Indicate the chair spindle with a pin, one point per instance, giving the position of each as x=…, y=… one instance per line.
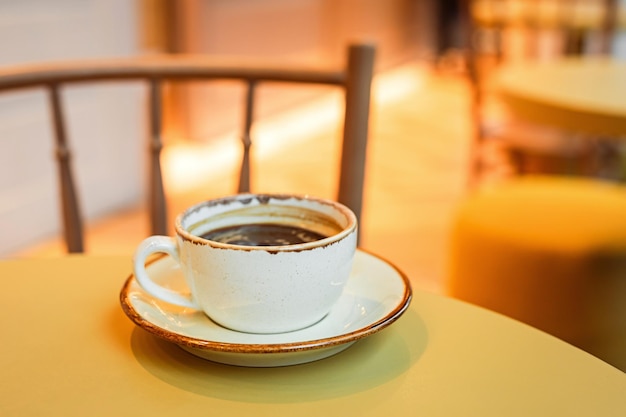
x=353, y=154
x=157, y=205
x=246, y=139
x=72, y=218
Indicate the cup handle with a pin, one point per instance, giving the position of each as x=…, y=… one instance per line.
x=152, y=245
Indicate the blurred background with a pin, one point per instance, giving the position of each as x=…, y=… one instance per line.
x=421, y=125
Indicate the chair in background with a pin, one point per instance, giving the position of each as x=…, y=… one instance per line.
x=355, y=79
x=501, y=31
x=548, y=250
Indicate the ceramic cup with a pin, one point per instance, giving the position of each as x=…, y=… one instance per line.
x=254, y=288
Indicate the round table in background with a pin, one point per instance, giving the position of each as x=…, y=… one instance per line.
x=578, y=94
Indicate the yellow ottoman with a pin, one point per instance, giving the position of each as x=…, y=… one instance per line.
x=550, y=252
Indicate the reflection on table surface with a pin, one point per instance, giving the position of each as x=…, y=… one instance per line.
x=68, y=349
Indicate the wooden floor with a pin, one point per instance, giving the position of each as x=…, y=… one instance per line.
x=417, y=160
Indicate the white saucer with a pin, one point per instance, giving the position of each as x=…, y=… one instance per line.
x=376, y=295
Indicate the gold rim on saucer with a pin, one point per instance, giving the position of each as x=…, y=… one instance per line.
x=376, y=295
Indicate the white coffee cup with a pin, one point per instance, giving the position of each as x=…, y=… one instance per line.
x=257, y=289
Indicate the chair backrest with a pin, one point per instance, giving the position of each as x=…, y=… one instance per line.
x=354, y=78
x=573, y=20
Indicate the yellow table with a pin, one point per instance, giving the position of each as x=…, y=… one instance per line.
x=579, y=94
x=67, y=349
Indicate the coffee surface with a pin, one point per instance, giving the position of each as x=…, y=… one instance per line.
x=262, y=234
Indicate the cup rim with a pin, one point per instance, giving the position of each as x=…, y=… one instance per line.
x=343, y=209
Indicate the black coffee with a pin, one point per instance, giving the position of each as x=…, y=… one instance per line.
x=262, y=234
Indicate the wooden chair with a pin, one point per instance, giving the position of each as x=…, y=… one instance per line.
x=355, y=79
